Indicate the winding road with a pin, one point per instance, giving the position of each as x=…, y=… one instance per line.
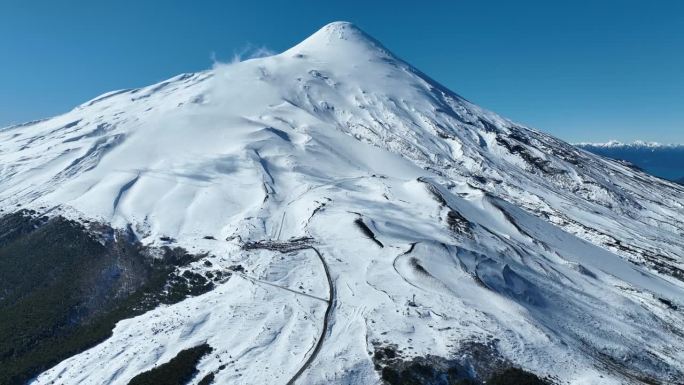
x=326, y=319
x=286, y=247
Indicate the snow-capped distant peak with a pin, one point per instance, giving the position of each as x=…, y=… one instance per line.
x=635, y=144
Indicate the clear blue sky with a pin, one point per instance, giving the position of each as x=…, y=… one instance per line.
x=582, y=70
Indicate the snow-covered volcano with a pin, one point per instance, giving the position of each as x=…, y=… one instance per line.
x=370, y=207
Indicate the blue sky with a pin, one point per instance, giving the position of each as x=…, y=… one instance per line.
x=581, y=70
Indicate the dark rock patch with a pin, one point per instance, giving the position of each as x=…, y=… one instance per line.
x=518, y=148
x=367, y=231
x=457, y=223
x=667, y=303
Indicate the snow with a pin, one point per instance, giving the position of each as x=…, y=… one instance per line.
x=635, y=144
x=336, y=129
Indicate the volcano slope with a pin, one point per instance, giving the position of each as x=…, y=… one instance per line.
x=374, y=227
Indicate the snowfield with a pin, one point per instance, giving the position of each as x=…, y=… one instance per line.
x=370, y=207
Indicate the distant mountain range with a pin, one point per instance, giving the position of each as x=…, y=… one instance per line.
x=662, y=160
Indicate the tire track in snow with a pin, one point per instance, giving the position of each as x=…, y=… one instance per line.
x=256, y=280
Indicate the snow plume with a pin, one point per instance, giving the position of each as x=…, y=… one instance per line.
x=226, y=73
x=249, y=51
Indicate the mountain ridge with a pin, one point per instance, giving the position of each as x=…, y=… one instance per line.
x=636, y=143
x=662, y=160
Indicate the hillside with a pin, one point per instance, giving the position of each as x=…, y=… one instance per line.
x=370, y=226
